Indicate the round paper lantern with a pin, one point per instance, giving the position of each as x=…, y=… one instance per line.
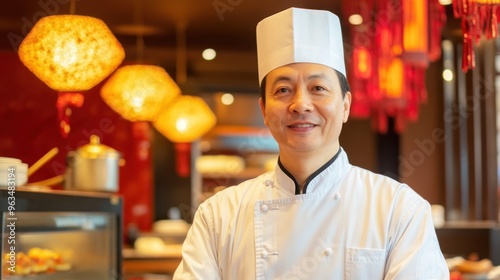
x=139, y=92
x=71, y=52
x=185, y=119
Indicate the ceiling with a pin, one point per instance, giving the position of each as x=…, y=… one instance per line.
x=228, y=26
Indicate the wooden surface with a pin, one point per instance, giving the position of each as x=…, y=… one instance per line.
x=141, y=263
x=165, y=265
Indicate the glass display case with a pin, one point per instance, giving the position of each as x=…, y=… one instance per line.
x=49, y=234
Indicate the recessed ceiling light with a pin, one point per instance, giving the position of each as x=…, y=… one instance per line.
x=227, y=99
x=209, y=54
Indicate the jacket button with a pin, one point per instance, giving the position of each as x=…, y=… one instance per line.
x=264, y=208
x=328, y=251
x=337, y=196
x=264, y=254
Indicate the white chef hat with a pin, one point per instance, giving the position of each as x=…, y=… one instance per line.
x=299, y=35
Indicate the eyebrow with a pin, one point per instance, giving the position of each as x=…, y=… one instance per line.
x=281, y=78
x=288, y=79
x=317, y=76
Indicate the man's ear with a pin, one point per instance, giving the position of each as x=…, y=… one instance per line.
x=263, y=110
x=347, y=106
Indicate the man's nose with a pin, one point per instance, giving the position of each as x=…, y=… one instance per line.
x=301, y=102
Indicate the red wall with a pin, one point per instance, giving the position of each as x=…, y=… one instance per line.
x=29, y=128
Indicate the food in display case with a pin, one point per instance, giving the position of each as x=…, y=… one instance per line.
x=35, y=261
x=475, y=267
x=472, y=268
x=46, y=260
x=61, y=235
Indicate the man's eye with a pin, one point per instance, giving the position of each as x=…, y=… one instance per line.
x=282, y=90
x=318, y=88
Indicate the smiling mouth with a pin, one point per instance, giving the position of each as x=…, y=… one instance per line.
x=302, y=125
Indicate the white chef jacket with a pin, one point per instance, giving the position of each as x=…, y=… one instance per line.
x=349, y=224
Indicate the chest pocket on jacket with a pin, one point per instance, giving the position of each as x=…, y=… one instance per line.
x=364, y=263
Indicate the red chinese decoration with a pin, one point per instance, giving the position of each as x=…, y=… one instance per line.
x=66, y=101
x=479, y=17
x=391, y=50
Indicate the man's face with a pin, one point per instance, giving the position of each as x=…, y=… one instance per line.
x=304, y=108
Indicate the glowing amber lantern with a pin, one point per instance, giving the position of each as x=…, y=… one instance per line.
x=184, y=120
x=415, y=30
x=395, y=74
x=415, y=22
x=362, y=63
x=139, y=92
x=70, y=54
x=401, y=37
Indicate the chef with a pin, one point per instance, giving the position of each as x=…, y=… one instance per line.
x=315, y=216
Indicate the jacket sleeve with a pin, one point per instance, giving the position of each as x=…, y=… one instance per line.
x=199, y=256
x=414, y=252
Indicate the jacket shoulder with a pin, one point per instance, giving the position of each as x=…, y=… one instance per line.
x=382, y=184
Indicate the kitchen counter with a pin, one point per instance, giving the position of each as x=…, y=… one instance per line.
x=456, y=238
x=462, y=238
x=161, y=263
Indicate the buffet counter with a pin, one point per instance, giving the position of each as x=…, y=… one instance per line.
x=456, y=238
x=135, y=263
x=463, y=238
x=156, y=252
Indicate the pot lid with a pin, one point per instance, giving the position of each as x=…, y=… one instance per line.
x=97, y=150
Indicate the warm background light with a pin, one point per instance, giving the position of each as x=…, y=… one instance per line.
x=445, y=2
x=355, y=19
x=447, y=75
x=209, y=54
x=415, y=25
x=185, y=119
x=362, y=63
x=394, y=78
x=139, y=92
x=70, y=52
x=227, y=99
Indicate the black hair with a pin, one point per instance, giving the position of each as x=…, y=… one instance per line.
x=344, y=86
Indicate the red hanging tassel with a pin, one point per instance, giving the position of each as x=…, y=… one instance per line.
x=478, y=19
x=491, y=24
x=65, y=101
x=183, y=159
x=468, y=59
x=494, y=23
x=437, y=20
x=457, y=8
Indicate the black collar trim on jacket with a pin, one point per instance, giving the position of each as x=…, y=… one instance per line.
x=309, y=179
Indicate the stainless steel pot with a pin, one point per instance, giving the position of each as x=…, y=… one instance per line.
x=93, y=167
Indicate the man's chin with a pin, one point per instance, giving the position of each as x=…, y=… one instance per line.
x=302, y=147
